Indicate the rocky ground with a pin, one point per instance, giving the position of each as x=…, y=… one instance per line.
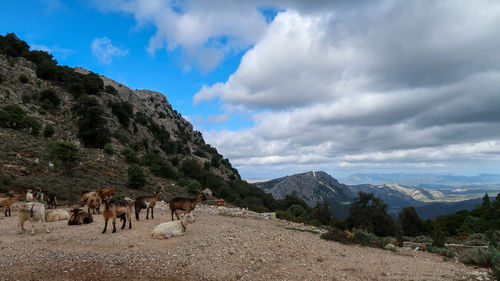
x=222, y=244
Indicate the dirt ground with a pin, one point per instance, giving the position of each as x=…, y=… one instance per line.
x=218, y=246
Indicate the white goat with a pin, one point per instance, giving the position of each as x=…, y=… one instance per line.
x=32, y=211
x=29, y=195
x=172, y=228
x=56, y=215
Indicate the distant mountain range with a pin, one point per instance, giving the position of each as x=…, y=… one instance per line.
x=314, y=187
x=427, y=180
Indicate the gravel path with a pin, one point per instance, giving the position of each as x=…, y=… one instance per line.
x=223, y=244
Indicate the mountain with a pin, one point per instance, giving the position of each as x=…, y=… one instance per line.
x=113, y=128
x=432, y=210
x=313, y=187
x=427, y=180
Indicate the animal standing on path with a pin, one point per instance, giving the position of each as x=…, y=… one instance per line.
x=184, y=205
x=146, y=203
x=114, y=209
x=7, y=202
x=32, y=211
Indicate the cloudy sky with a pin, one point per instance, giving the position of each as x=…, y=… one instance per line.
x=281, y=87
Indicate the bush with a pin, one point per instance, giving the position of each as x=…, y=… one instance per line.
x=2, y=78
x=136, y=178
x=108, y=149
x=443, y=251
x=130, y=155
x=297, y=210
x=335, y=234
x=111, y=90
x=360, y=237
x=49, y=99
x=64, y=154
x=26, y=98
x=23, y=79
x=12, y=116
x=369, y=239
x=283, y=215
x=163, y=169
x=123, y=111
x=480, y=256
x=48, y=131
x=193, y=186
x=91, y=123
x=438, y=237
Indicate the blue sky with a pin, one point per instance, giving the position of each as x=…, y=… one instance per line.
x=68, y=28
x=282, y=87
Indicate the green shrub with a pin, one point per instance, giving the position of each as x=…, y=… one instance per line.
x=32, y=124
x=476, y=239
x=163, y=169
x=64, y=154
x=192, y=185
x=123, y=111
x=335, y=234
x=111, y=90
x=49, y=99
x=443, y=251
x=108, y=149
x=136, y=178
x=369, y=239
x=12, y=46
x=297, y=210
x=48, y=131
x=23, y=79
x=438, y=237
x=26, y=98
x=2, y=78
x=130, y=155
x=480, y=256
x=41, y=111
x=12, y=116
x=283, y=215
x=91, y=123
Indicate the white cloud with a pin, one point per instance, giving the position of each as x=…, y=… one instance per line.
x=104, y=50
x=205, y=31
x=411, y=84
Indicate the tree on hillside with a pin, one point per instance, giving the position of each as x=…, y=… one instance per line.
x=322, y=213
x=369, y=213
x=64, y=154
x=486, y=200
x=410, y=222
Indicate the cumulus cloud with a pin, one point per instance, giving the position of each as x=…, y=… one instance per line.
x=104, y=50
x=205, y=31
x=380, y=83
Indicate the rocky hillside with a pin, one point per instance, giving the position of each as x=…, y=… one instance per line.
x=112, y=128
x=313, y=188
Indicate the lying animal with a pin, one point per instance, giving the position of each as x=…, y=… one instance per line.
x=172, y=228
x=80, y=217
x=56, y=215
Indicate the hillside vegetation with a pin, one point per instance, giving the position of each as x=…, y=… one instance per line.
x=99, y=133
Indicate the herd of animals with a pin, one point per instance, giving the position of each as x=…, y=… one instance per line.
x=41, y=206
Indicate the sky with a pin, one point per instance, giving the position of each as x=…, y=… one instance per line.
x=284, y=87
